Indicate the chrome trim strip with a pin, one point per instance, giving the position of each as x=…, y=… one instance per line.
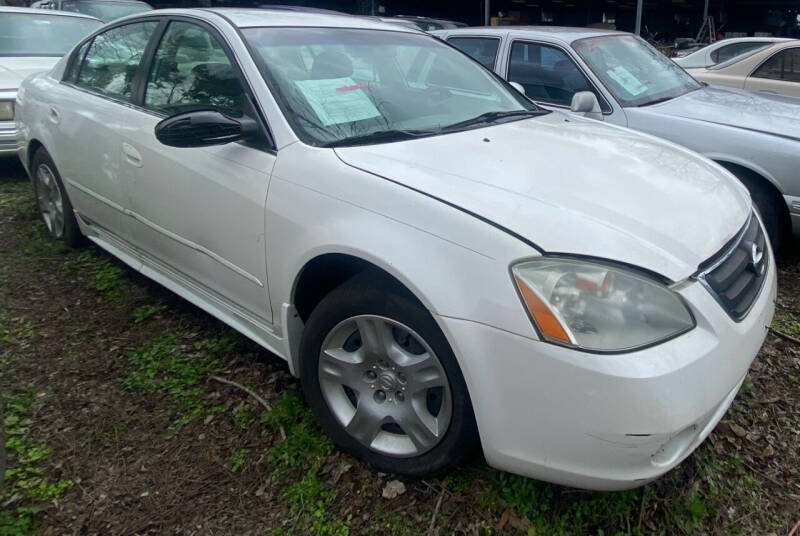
x=169, y=234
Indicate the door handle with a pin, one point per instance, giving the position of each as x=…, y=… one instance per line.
x=131, y=155
x=55, y=117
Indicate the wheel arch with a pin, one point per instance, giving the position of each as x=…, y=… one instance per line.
x=747, y=170
x=318, y=277
x=753, y=178
x=33, y=145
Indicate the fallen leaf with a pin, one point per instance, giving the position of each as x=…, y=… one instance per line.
x=738, y=430
x=392, y=489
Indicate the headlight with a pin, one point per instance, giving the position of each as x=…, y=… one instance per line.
x=598, y=307
x=6, y=110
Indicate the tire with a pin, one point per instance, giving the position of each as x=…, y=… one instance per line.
x=375, y=300
x=52, y=202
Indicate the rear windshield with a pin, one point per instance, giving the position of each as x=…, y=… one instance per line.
x=105, y=11
x=25, y=34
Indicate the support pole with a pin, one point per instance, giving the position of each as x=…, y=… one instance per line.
x=486, y=12
x=638, y=30
x=705, y=11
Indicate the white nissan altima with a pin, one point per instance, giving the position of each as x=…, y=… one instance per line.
x=443, y=264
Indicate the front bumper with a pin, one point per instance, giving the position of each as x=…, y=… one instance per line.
x=607, y=422
x=8, y=138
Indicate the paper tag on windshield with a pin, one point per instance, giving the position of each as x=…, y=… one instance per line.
x=623, y=77
x=338, y=100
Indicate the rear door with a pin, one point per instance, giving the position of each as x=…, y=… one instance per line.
x=199, y=212
x=86, y=113
x=780, y=74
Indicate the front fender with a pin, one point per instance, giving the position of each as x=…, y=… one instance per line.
x=454, y=263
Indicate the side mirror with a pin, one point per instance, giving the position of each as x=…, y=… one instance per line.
x=585, y=102
x=518, y=87
x=203, y=128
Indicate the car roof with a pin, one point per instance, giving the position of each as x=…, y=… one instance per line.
x=258, y=17
x=52, y=12
x=567, y=34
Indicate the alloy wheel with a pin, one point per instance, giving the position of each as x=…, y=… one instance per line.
x=51, y=204
x=385, y=386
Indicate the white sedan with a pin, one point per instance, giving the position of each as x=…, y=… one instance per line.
x=32, y=40
x=445, y=265
x=724, y=50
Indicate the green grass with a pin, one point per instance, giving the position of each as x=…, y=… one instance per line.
x=169, y=366
x=305, y=445
x=297, y=460
x=31, y=230
x=786, y=322
x=146, y=312
x=24, y=474
x=238, y=458
x=103, y=275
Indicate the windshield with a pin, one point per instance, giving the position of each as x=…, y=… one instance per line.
x=41, y=35
x=635, y=72
x=103, y=10
x=352, y=86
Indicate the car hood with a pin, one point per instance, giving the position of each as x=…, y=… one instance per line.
x=13, y=70
x=763, y=112
x=575, y=186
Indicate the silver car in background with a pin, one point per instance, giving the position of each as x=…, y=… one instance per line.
x=620, y=78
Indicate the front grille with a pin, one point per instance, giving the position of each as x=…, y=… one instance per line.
x=734, y=276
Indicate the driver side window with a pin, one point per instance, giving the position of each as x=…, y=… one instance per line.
x=191, y=71
x=547, y=73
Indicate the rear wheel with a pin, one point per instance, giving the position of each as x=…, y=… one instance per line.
x=384, y=383
x=52, y=202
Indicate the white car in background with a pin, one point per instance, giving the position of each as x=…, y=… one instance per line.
x=105, y=10
x=772, y=69
x=724, y=50
x=619, y=78
x=443, y=263
x=32, y=40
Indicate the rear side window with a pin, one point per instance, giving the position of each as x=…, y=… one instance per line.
x=192, y=72
x=731, y=51
x=112, y=60
x=785, y=65
x=482, y=49
x=75, y=66
x=547, y=74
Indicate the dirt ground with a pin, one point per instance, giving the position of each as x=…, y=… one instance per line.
x=120, y=421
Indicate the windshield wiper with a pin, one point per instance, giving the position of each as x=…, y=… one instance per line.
x=655, y=101
x=489, y=118
x=380, y=136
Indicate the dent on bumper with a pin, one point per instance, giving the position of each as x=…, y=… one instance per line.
x=606, y=422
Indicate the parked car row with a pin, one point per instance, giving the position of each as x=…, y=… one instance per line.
x=449, y=258
x=621, y=79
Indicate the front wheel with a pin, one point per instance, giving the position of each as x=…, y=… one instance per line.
x=383, y=381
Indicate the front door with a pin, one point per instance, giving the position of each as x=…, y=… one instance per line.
x=199, y=212
x=551, y=77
